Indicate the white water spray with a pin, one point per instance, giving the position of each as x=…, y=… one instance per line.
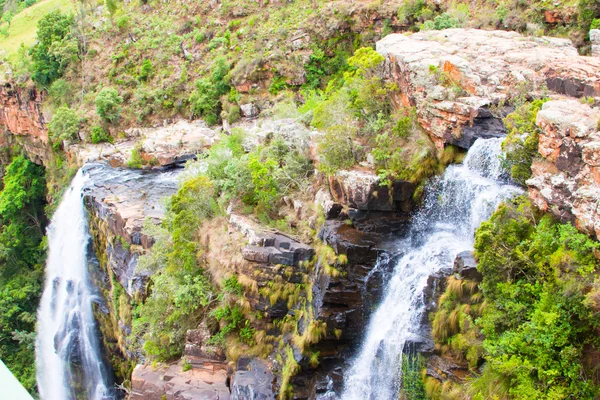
x=455, y=205
x=68, y=359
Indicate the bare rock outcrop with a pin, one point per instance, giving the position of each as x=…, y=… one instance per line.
x=362, y=189
x=173, y=383
x=566, y=181
x=456, y=77
x=21, y=118
x=159, y=146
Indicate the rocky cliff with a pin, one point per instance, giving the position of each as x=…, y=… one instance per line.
x=566, y=180
x=22, y=120
x=460, y=80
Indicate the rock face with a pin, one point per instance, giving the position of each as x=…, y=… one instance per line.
x=167, y=145
x=119, y=201
x=21, y=116
x=566, y=181
x=454, y=76
x=595, y=39
x=270, y=247
x=253, y=380
x=173, y=383
x=362, y=190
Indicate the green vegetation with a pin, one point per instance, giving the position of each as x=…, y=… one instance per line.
x=99, y=135
x=56, y=48
x=205, y=99
x=108, y=105
x=22, y=225
x=22, y=29
x=534, y=322
x=64, y=124
x=180, y=290
x=521, y=144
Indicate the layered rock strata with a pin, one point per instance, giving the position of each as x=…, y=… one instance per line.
x=566, y=180
x=458, y=79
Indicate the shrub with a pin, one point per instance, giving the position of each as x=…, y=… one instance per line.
x=521, y=144
x=99, y=135
x=205, y=99
x=146, y=70
x=443, y=21
x=537, y=323
x=335, y=150
x=108, y=105
x=64, y=124
x=61, y=92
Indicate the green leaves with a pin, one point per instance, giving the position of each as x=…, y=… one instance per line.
x=537, y=323
x=56, y=48
x=108, y=105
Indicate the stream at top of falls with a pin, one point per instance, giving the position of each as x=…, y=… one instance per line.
x=454, y=206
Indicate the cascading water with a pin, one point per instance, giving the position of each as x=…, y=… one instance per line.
x=69, y=362
x=455, y=205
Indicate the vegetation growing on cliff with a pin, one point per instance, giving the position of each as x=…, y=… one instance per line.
x=521, y=144
x=535, y=327
x=22, y=225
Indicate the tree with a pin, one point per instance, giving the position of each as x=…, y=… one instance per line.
x=108, y=105
x=21, y=254
x=56, y=48
x=64, y=124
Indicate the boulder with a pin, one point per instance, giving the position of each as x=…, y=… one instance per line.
x=324, y=200
x=361, y=189
x=270, y=247
x=453, y=77
x=466, y=266
x=566, y=180
x=249, y=110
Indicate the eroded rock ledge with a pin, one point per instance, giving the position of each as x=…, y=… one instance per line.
x=566, y=181
x=457, y=78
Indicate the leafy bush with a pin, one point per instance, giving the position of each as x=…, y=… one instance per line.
x=205, y=99
x=55, y=49
x=64, y=124
x=537, y=322
x=108, y=105
x=335, y=150
x=146, y=70
x=99, y=135
x=443, y=21
x=521, y=144
x=180, y=290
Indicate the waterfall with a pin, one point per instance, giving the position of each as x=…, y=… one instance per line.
x=454, y=206
x=68, y=359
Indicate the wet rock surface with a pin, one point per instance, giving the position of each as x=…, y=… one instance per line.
x=453, y=77
x=253, y=380
x=566, y=181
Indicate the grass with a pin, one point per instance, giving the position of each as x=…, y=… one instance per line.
x=24, y=24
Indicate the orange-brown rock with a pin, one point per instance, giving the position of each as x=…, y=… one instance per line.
x=22, y=119
x=454, y=77
x=566, y=181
